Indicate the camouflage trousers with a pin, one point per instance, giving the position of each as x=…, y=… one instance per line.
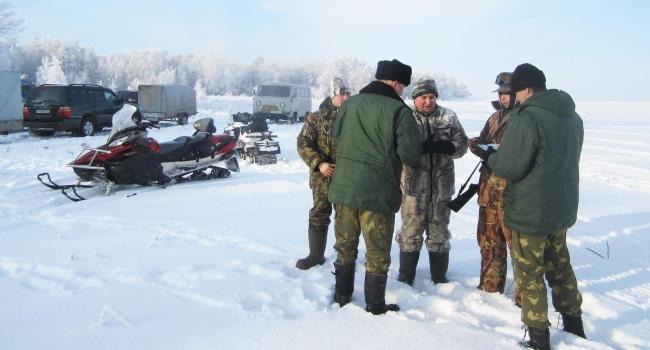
x=493, y=236
x=377, y=231
x=319, y=214
x=420, y=216
x=536, y=257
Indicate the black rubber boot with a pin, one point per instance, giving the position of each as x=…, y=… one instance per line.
x=408, y=261
x=540, y=339
x=573, y=324
x=344, y=275
x=317, y=243
x=375, y=291
x=439, y=263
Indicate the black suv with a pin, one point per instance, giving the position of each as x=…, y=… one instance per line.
x=80, y=108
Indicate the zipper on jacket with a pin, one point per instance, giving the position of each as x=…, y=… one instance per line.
x=430, y=195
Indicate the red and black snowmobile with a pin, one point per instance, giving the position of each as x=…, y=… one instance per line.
x=129, y=157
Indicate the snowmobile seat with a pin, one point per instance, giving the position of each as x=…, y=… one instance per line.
x=258, y=125
x=172, y=150
x=181, y=147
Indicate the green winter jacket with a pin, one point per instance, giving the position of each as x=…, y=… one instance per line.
x=374, y=133
x=539, y=157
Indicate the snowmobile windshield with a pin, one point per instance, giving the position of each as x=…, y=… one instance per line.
x=123, y=120
x=274, y=91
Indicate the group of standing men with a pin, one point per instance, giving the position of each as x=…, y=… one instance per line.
x=373, y=154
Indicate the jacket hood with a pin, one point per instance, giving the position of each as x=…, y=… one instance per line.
x=555, y=101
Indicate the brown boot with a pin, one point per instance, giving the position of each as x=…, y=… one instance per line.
x=317, y=243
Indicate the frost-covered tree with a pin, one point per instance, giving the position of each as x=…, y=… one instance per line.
x=217, y=74
x=51, y=72
x=9, y=27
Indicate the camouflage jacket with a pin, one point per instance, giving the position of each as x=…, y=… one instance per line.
x=315, y=143
x=491, y=187
x=418, y=179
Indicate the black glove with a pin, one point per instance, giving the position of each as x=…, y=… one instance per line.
x=430, y=146
x=485, y=154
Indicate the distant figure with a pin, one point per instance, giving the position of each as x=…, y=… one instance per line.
x=428, y=185
x=539, y=158
x=492, y=233
x=374, y=134
x=317, y=151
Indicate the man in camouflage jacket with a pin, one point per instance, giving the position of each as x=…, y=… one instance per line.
x=316, y=149
x=428, y=185
x=492, y=233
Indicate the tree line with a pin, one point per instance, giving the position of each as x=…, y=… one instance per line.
x=67, y=62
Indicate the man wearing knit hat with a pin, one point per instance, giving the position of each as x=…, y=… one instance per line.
x=428, y=185
x=316, y=150
x=493, y=236
x=374, y=134
x=539, y=158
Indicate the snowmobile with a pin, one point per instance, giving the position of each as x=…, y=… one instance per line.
x=129, y=157
x=254, y=141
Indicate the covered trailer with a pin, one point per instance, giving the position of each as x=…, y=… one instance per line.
x=11, y=102
x=167, y=102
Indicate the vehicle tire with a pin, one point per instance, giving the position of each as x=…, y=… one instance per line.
x=87, y=127
x=293, y=118
x=42, y=132
x=182, y=119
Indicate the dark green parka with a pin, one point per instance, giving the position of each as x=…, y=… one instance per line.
x=539, y=157
x=374, y=133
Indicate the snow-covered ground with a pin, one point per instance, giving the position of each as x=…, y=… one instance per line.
x=210, y=265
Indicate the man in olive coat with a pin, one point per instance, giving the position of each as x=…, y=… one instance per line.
x=539, y=157
x=374, y=134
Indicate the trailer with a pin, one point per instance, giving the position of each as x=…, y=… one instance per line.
x=167, y=102
x=11, y=102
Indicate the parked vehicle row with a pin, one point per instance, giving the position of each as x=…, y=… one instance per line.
x=84, y=108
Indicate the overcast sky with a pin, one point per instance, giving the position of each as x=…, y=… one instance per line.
x=595, y=50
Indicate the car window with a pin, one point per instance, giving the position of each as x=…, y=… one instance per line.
x=48, y=94
x=111, y=99
x=272, y=90
x=97, y=97
x=78, y=97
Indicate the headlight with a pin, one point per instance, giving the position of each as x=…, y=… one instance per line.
x=282, y=104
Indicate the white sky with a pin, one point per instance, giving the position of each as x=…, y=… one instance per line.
x=595, y=50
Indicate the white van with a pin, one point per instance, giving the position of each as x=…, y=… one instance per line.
x=276, y=101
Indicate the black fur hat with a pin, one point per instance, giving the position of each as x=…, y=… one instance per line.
x=394, y=70
x=526, y=75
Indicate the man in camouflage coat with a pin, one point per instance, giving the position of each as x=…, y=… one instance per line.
x=492, y=233
x=428, y=185
x=317, y=151
x=539, y=157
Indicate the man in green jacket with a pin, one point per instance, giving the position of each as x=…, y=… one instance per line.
x=374, y=134
x=539, y=157
x=316, y=150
